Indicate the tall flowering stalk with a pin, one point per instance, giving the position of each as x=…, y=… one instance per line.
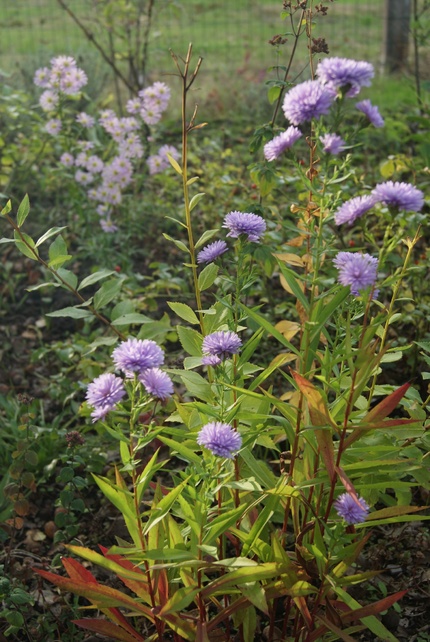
x=187, y=79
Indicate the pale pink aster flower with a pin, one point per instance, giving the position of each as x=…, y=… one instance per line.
x=67, y=159
x=107, y=226
x=85, y=119
x=42, y=77
x=53, y=126
x=48, y=100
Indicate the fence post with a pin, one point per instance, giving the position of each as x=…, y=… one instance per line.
x=396, y=37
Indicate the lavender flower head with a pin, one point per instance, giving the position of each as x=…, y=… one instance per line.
x=371, y=112
x=402, y=196
x=221, y=344
x=211, y=360
x=357, y=270
x=274, y=148
x=244, y=223
x=306, y=101
x=332, y=143
x=352, y=510
x=103, y=394
x=157, y=383
x=135, y=355
x=220, y=439
x=353, y=209
x=212, y=252
x=342, y=73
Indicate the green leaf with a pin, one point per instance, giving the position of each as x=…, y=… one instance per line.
x=273, y=93
x=195, y=200
x=134, y=318
x=23, y=211
x=207, y=276
x=7, y=209
x=205, y=237
x=185, y=453
x=69, y=277
x=179, y=244
x=174, y=164
x=222, y=523
x=73, y=313
x=25, y=244
x=191, y=341
x=93, y=278
x=196, y=385
x=262, y=322
x=57, y=249
x=108, y=291
x=51, y=232
x=184, y=312
x=179, y=600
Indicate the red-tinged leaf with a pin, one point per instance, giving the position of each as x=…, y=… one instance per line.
x=101, y=596
x=140, y=587
x=318, y=410
x=326, y=448
x=395, y=511
x=386, y=406
x=372, y=609
x=335, y=629
x=227, y=612
x=108, y=629
x=301, y=604
x=163, y=587
x=349, y=486
x=384, y=424
x=76, y=571
x=108, y=563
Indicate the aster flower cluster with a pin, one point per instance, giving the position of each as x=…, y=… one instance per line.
x=251, y=226
x=313, y=99
x=394, y=194
x=134, y=357
x=104, y=180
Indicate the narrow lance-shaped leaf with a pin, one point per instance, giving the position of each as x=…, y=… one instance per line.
x=23, y=211
x=108, y=629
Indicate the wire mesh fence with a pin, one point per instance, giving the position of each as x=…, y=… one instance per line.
x=232, y=37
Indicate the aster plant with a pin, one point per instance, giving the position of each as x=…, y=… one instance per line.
x=281, y=442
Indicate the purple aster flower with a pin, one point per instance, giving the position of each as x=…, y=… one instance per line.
x=352, y=509
x=104, y=393
x=342, y=73
x=332, y=143
x=157, y=383
x=371, y=112
x=211, y=360
x=212, y=252
x=281, y=143
x=353, y=209
x=243, y=223
x=306, y=101
x=135, y=355
x=42, y=77
x=221, y=344
x=402, y=196
x=220, y=439
x=357, y=270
